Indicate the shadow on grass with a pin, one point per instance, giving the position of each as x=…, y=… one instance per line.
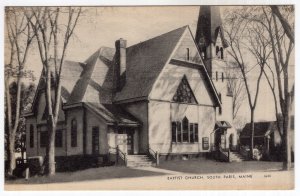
x=101, y=173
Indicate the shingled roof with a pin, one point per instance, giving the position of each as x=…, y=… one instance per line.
x=145, y=61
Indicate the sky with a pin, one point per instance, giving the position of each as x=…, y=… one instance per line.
x=102, y=26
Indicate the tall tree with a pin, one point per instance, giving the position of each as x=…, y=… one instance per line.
x=20, y=36
x=240, y=34
x=278, y=22
x=53, y=28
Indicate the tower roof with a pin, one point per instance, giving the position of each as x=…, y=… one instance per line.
x=209, y=25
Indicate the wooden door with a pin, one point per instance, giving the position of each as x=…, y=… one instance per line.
x=130, y=143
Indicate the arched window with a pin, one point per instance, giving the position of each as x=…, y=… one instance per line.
x=217, y=51
x=222, y=55
x=73, y=133
x=31, y=136
x=185, y=130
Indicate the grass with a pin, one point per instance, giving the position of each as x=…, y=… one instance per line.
x=87, y=175
x=211, y=166
x=198, y=166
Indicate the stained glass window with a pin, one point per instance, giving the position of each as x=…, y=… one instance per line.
x=184, y=93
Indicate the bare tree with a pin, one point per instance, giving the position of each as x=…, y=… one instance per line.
x=281, y=37
x=53, y=28
x=288, y=28
x=239, y=35
x=20, y=36
x=282, y=49
x=236, y=84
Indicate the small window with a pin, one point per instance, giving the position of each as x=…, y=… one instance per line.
x=187, y=54
x=222, y=77
x=220, y=110
x=196, y=133
x=217, y=50
x=216, y=76
x=173, y=131
x=73, y=133
x=31, y=136
x=43, y=139
x=179, y=132
x=58, y=138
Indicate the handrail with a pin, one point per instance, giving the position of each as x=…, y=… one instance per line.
x=155, y=155
x=120, y=153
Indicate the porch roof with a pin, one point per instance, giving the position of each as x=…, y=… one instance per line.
x=223, y=124
x=113, y=114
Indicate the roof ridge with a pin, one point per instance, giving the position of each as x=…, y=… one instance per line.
x=185, y=26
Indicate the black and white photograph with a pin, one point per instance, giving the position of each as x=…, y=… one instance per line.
x=160, y=97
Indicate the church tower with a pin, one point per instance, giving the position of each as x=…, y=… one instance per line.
x=212, y=45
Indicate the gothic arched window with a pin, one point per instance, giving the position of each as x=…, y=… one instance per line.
x=185, y=129
x=222, y=55
x=217, y=51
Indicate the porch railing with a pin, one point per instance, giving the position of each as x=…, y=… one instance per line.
x=154, y=155
x=119, y=154
x=224, y=154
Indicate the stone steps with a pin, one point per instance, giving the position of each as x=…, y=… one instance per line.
x=236, y=157
x=138, y=161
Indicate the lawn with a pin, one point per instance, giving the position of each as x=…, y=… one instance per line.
x=199, y=166
x=87, y=175
x=210, y=166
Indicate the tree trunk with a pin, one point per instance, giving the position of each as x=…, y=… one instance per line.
x=287, y=163
x=50, y=155
x=252, y=134
x=11, y=151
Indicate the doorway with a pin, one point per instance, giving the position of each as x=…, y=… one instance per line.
x=220, y=139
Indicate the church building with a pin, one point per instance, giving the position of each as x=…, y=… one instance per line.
x=161, y=98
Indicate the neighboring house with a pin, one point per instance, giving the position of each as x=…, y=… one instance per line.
x=157, y=94
x=266, y=138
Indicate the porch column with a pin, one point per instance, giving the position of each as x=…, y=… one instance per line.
x=136, y=141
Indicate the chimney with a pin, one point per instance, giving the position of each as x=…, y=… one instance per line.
x=120, y=64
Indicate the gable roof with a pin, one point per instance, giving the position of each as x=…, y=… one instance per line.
x=144, y=63
x=260, y=128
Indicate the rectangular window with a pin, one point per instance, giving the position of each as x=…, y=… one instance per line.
x=179, y=135
x=43, y=139
x=58, y=138
x=173, y=131
x=196, y=133
x=192, y=133
x=31, y=136
x=216, y=76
